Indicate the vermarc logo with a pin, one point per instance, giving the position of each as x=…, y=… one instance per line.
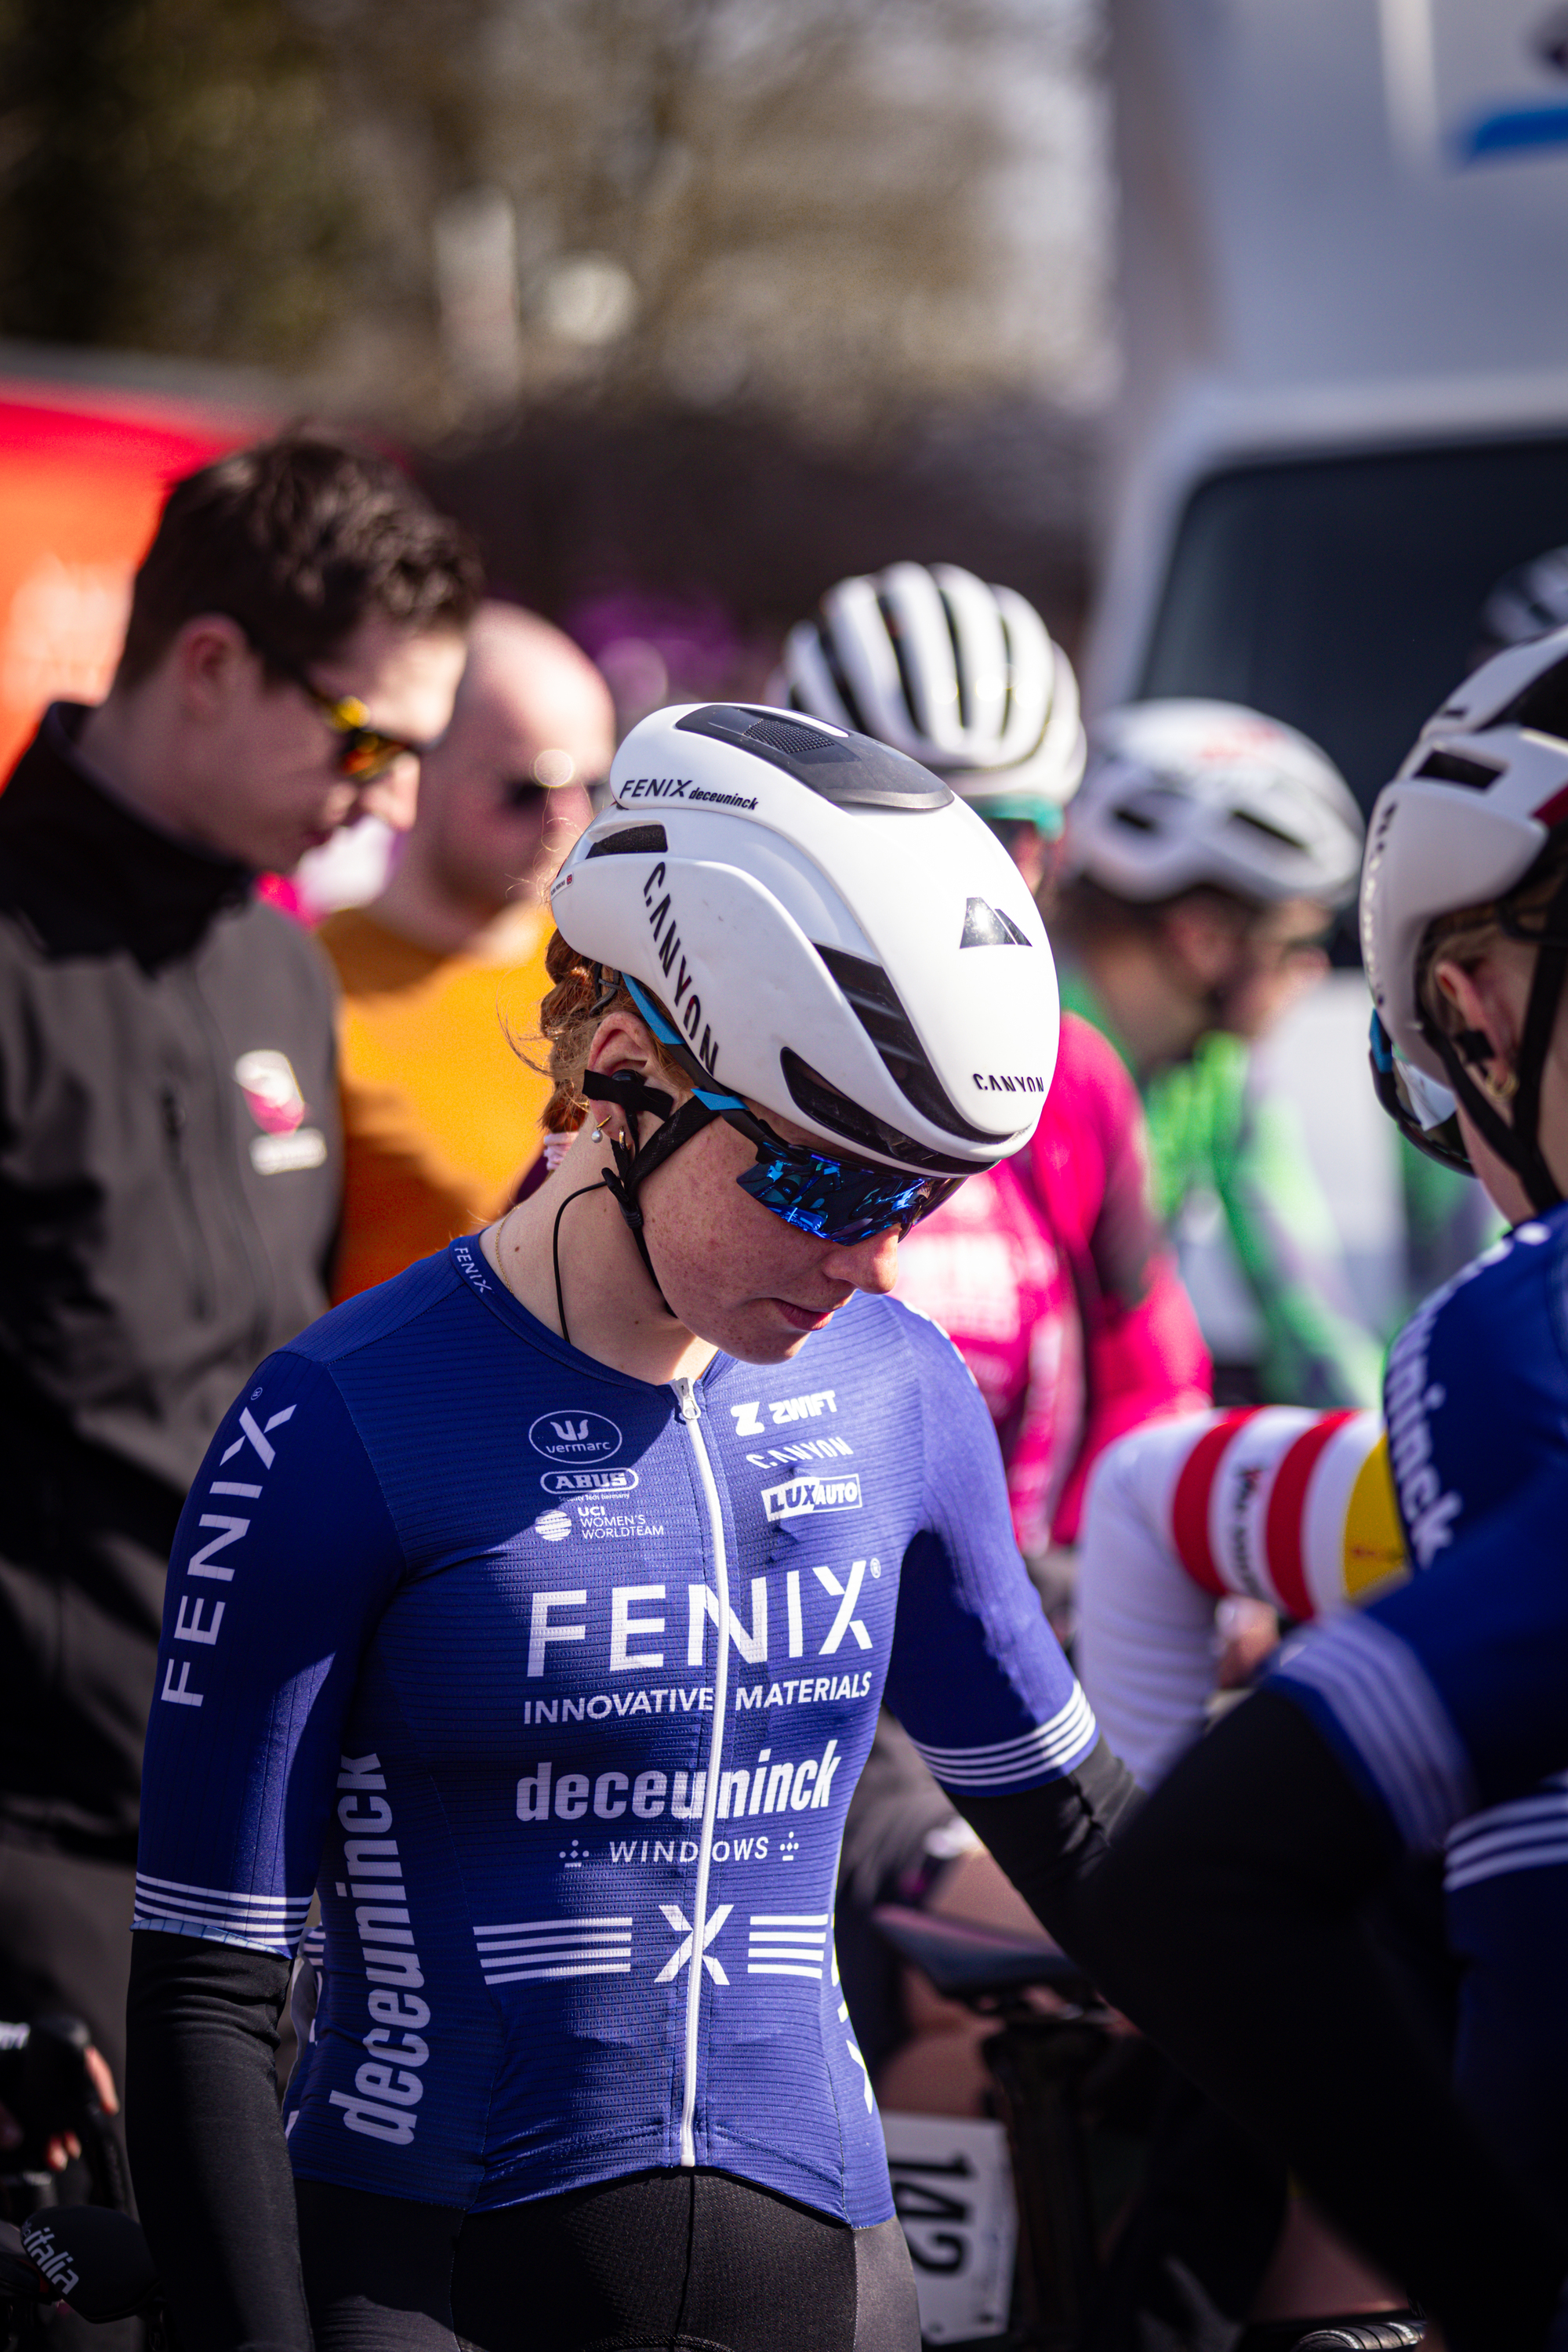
x=569, y=1436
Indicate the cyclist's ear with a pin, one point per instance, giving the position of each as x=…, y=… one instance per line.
x=623, y=1042
x=1489, y=996
x=208, y=662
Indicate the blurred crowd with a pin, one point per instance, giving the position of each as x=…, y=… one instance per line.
x=224, y=1107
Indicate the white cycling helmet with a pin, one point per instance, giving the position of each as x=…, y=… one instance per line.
x=1527, y=602
x=1181, y=792
x=814, y=925
x=958, y=675
x=1462, y=825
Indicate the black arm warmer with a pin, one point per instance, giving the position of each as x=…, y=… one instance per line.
x=1226, y=1924
x=1052, y=1840
x=211, y=2170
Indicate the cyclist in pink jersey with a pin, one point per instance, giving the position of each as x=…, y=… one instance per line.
x=1049, y=1272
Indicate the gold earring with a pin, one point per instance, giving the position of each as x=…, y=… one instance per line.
x=1506, y=1087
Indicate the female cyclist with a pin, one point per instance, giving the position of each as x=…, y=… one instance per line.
x=535, y=1609
x=1439, y=1704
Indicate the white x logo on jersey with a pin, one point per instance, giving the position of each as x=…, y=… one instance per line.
x=845, y=1621
x=682, y=1951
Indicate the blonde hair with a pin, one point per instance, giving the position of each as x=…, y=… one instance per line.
x=1469, y=933
x=584, y=993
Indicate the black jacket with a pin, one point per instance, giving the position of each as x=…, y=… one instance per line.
x=170, y=1170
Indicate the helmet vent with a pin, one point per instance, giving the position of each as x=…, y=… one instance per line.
x=1267, y=831
x=852, y=770
x=804, y=742
x=874, y=1001
x=632, y=840
x=985, y=926
x=811, y=1093
x=1449, y=767
x=1542, y=706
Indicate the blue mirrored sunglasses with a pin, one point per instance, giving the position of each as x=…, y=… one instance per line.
x=839, y=1200
x=844, y=1201
x=1425, y=1112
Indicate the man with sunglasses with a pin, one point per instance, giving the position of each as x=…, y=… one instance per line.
x=169, y=1158
x=443, y=973
x=581, y=1557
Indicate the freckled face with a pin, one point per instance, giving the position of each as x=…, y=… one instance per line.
x=733, y=1272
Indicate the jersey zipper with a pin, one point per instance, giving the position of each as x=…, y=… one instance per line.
x=691, y=1416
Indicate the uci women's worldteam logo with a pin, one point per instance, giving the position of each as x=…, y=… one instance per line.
x=575, y=1437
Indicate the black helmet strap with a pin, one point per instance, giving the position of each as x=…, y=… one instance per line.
x=1517, y=1141
x=635, y=1161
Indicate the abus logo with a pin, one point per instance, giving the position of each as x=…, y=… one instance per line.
x=575, y=1437
x=797, y=1497
x=588, y=1481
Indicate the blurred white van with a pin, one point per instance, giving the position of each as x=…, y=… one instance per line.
x=1344, y=268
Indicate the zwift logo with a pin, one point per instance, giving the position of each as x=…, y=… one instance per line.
x=748, y=1417
x=568, y=1437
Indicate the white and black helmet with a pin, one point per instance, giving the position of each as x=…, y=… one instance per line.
x=1465, y=819
x=960, y=676
x=1182, y=793
x=822, y=929
x=1527, y=602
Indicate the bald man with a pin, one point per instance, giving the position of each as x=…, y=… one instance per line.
x=447, y=966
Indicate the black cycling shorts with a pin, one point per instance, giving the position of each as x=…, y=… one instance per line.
x=656, y=2261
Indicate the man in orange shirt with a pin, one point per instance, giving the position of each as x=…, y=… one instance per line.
x=443, y=974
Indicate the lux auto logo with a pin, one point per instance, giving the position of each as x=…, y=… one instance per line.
x=796, y=1498
x=575, y=1437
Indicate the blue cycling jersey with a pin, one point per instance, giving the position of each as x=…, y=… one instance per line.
x=555, y=1685
x=1448, y=1694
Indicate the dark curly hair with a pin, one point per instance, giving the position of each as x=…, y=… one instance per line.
x=584, y=993
x=298, y=539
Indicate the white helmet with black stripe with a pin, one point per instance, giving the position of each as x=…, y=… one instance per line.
x=960, y=676
x=1181, y=792
x=825, y=930
x=1462, y=825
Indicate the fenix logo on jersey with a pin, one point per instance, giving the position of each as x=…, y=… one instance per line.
x=588, y=1481
x=568, y=1437
x=797, y=1498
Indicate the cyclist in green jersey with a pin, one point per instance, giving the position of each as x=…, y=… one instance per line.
x=1206, y=857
